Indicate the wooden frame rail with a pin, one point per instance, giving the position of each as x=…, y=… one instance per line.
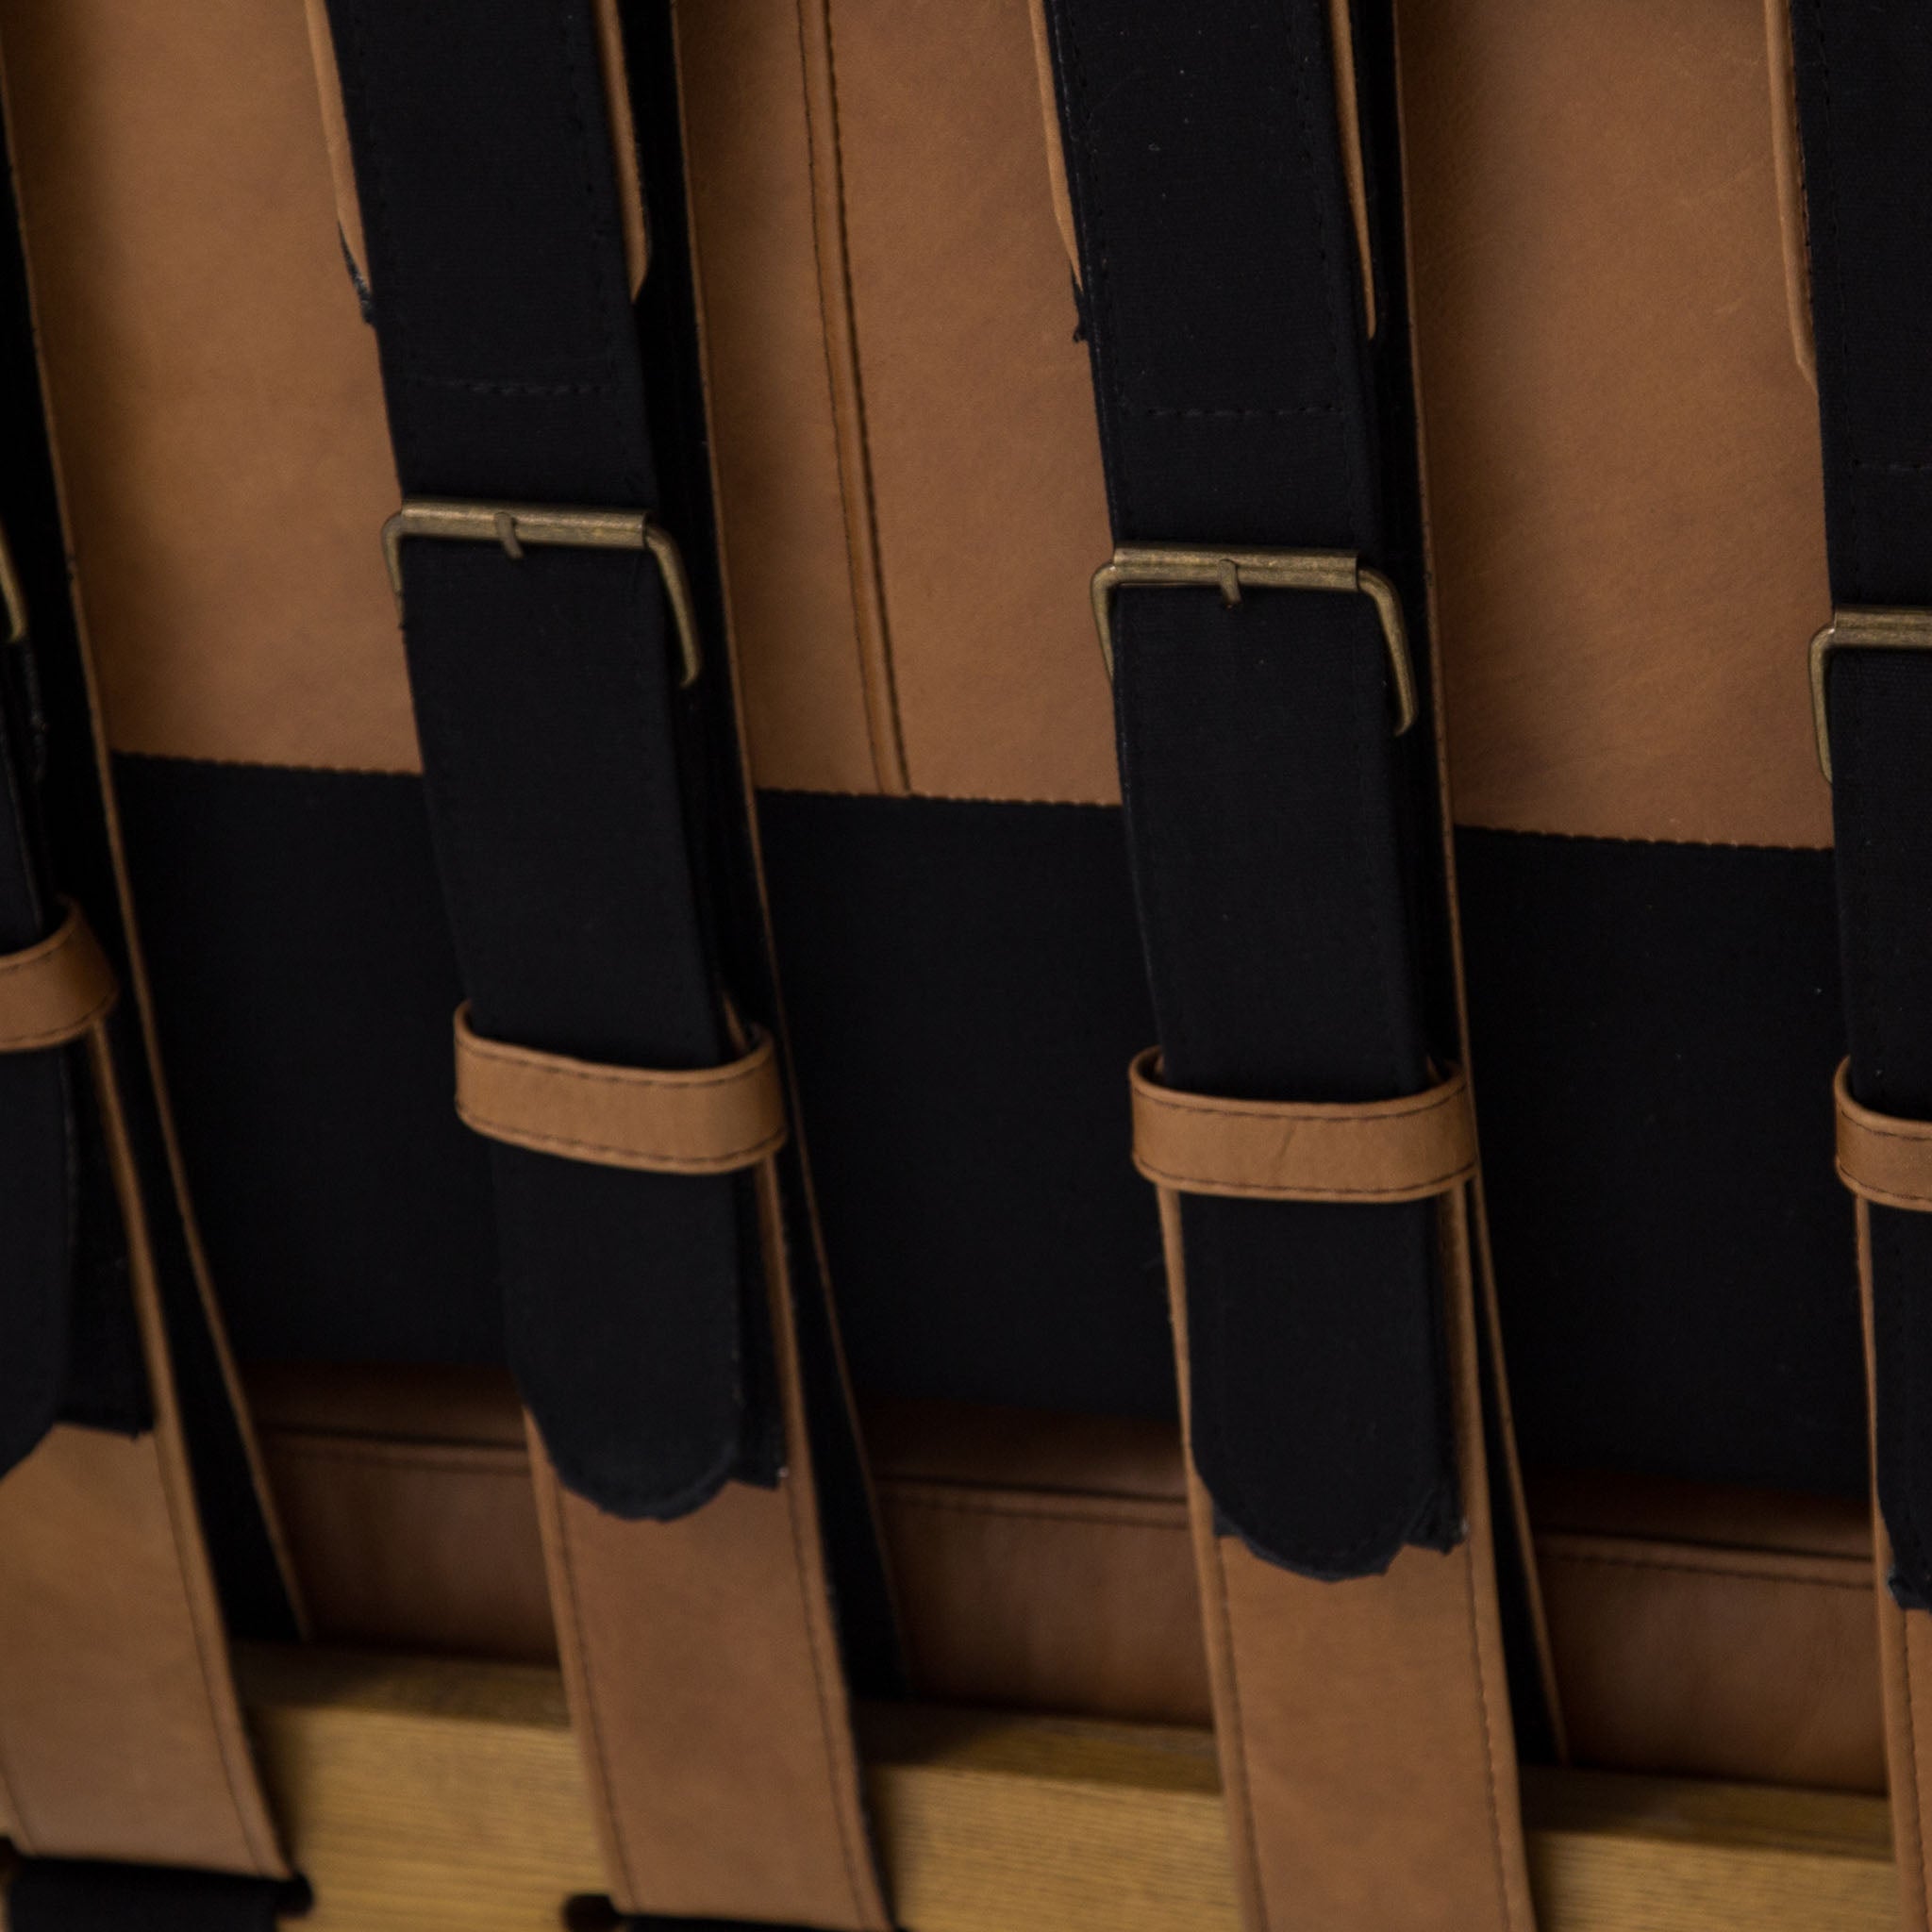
x=424, y=1795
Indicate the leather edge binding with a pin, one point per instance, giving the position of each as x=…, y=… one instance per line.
x=54, y=991
x=710, y=1121
x=1385, y=1151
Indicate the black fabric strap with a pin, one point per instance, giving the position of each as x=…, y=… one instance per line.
x=75, y=1895
x=1276, y=825
x=552, y=729
x=1864, y=75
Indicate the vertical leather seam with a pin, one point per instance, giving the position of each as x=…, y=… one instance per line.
x=1505, y=1896
x=171, y=1450
x=1251, y=1836
x=834, y=1720
x=1455, y=1261
x=1914, y=1810
x=871, y=630
x=619, y=1839
x=827, y=1715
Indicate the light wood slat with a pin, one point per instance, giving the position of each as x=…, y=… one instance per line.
x=429, y=1795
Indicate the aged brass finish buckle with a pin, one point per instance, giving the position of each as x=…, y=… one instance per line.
x=515, y=525
x=12, y=598
x=1230, y=572
x=1857, y=628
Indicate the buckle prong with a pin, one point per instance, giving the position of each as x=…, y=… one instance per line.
x=1859, y=627
x=514, y=525
x=1176, y=565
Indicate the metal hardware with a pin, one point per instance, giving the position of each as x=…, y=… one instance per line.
x=1230, y=572
x=12, y=598
x=515, y=525
x=1857, y=628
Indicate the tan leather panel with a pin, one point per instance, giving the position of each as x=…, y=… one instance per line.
x=774, y=439
x=1042, y=1561
x=703, y=1673
x=711, y=1120
x=1385, y=1151
x=1787, y=158
x=120, y=1732
x=412, y=1545
x=978, y=408
x=1712, y=1662
x=962, y=458
x=1364, y=1726
x=1622, y=453
x=1880, y=1157
x=54, y=992
x=217, y=412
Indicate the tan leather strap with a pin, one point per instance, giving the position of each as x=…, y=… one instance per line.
x=714, y=1119
x=1364, y=1726
x=1879, y=1157
x=121, y=1729
x=53, y=993
x=1384, y=1150
x=704, y=1674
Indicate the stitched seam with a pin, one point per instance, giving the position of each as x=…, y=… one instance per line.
x=1912, y=1810
x=466, y=1459
x=246, y=1822
x=59, y=1035
x=1228, y=415
x=1504, y=1895
x=30, y=956
x=677, y=1163
x=1665, y=1567
x=1044, y=1512
x=553, y=1067
x=1290, y=1190
x=481, y=385
x=868, y=505
x=1237, y=1722
x=856, y=506
x=1916, y=1131
x=1400, y=1109
x=830, y=1726
x=1830, y=183
x=620, y=1840
x=1871, y=1191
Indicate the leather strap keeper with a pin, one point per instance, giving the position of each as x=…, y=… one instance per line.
x=54, y=992
x=1882, y=1157
x=712, y=1120
x=1382, y=1151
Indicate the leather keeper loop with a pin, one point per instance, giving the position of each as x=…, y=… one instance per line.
x=712, y=1120
x=54, y=992
x=1383, y=1151
x=1881, y=1156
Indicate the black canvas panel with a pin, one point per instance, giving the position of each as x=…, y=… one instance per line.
x=1652, y=1033
x=304, y=984
x=76, y=1895
x=963, y=985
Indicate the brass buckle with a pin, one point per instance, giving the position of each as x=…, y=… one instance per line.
x=1859, y=629
x=514, y=524
x=1174, y=565
x=12, y=597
